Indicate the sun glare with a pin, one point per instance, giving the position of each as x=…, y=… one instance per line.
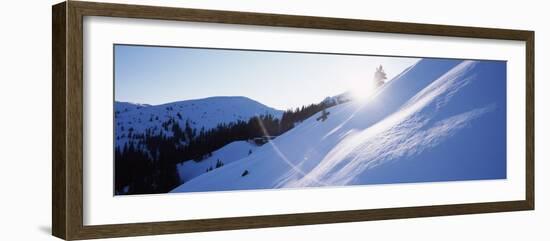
x=366, y=90
x=363, y=91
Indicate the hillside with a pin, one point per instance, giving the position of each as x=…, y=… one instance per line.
x=440, y=120
x=229, y=153
x=135, y=119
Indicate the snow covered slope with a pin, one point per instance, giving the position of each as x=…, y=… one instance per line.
x=201, y=113
x=229, y=153
x=440, y=120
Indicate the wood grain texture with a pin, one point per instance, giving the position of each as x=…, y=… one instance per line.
x=74, y=134
x=530, y=120
x=67, y=154
x=59, y=192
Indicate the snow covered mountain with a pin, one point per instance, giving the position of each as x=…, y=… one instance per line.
x=439, y=120
x=135, y=119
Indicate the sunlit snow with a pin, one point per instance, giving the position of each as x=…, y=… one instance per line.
x=440, y=120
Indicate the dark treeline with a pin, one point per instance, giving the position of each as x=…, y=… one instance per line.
x=291, y=117
x=208, y=141
x=136, y=172
x=147, y=163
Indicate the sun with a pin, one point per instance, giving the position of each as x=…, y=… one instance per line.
x=363, y=90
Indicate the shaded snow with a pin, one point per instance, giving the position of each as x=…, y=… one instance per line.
x=229, y=153
x=440, y=120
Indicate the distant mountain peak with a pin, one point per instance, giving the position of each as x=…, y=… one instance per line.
x=135, y=119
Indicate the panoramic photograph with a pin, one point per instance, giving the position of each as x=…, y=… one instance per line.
x=203, y=119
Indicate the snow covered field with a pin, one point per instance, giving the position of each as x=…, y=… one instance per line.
x=440, y=120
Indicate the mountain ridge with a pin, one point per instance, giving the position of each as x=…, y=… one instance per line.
x=136, y=119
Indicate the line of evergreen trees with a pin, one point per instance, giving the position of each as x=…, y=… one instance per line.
x=292, y=117
x=148, y=163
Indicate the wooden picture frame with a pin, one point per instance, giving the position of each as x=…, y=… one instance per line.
x=67, y=124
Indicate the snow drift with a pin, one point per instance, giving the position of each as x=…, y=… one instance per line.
x=440, y=120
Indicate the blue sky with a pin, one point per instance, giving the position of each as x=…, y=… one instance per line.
x=158, y=75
